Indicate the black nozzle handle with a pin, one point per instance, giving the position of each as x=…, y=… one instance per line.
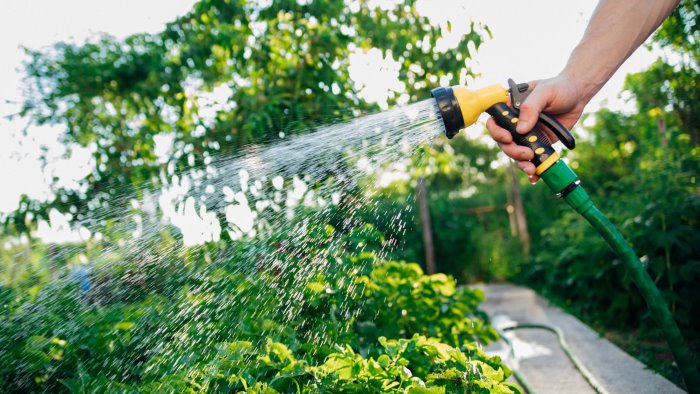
x=537, y=140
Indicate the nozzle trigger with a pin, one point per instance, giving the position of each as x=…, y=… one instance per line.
x=518, y=93
x=559, y=130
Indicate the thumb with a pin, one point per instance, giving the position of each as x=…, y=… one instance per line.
x=532, y=107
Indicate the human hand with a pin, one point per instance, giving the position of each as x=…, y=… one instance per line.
x=560, y=97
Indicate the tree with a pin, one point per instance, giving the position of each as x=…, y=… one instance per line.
x=675, y=82
x=227, y=74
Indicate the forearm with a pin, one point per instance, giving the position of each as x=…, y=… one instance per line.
x=617, y=28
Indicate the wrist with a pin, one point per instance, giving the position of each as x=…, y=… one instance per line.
x=585, y=86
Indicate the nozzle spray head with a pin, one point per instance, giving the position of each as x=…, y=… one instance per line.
x=449, y=109
x=461, y=107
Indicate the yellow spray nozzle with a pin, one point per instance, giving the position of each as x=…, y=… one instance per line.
x=461, y=107
x=474, y=102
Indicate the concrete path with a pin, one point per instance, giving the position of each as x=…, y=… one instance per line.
x=542, y=363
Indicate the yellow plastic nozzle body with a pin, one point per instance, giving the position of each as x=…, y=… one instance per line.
x=473, y=102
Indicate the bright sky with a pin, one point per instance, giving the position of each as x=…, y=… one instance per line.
x=532, y=40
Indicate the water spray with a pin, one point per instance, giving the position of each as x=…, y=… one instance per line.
x=460, y=107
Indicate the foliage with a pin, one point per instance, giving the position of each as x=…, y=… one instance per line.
x=467, y=200
x=227, y=74
x=674, y=84
x=416, y=365
x=385, y=326
x=404, y=302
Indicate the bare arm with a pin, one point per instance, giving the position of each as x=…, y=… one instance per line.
x=616, y=29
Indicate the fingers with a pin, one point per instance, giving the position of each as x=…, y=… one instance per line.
x=498, y=133
x=529, y=169
x=532, y=107
x=521, y=154
x=517, y=152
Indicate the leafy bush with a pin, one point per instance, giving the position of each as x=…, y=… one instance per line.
x=399, y=301
x=416, y=365
x=359, y=324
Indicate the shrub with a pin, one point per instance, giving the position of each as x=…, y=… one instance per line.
x=350, y=323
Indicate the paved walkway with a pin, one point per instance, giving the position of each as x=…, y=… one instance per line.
x=543, y=364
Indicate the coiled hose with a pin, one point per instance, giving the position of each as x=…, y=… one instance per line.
x=590, y=378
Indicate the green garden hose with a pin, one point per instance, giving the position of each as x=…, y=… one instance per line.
x=685, y=360
x=590, y=378
x=563, y=181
